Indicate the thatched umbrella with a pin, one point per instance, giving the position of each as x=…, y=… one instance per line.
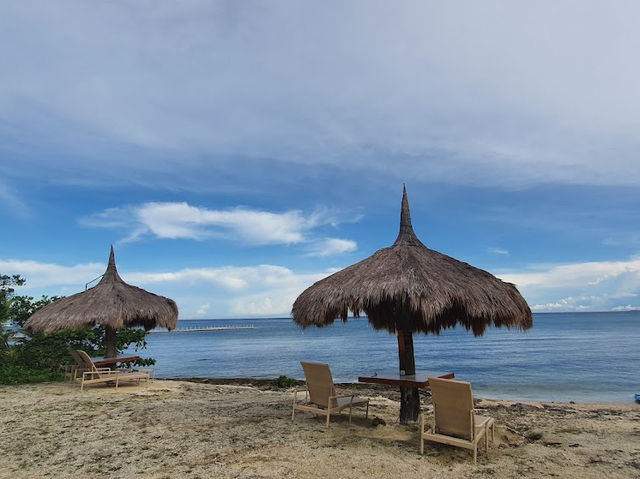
x=111, y=303
x=409, y=288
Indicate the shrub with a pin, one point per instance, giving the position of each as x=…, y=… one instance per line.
x=286, y=382
x=533, y=435
x=11, y=373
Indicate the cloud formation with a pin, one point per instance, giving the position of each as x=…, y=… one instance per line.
x=46, y=275
x=179, y=220
x=589, y=286
x=479, y=93
x=269, y=290
x=228, y=291
x=331, y=246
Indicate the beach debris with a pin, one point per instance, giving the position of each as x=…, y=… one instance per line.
x=552, y=443
x=533, y=435
x=378, y=421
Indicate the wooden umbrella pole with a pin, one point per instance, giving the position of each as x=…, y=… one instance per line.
x=110, y=342
x=409, y=397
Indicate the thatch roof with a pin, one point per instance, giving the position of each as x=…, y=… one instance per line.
x=410, y=287
x=112, y=302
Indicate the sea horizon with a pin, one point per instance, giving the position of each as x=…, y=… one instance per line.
x=630, y=311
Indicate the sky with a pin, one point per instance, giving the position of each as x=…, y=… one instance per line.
x=234, y=153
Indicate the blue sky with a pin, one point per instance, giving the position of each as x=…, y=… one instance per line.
x=236, y=152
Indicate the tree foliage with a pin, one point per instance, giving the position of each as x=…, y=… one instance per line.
x=7, y=289
x=22, y=307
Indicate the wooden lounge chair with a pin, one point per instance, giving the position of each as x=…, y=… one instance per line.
x=79, y=367
x=321, y=397
x=454, y=421
x=92, y=374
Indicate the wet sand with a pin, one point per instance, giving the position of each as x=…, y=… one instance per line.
x=243, y=429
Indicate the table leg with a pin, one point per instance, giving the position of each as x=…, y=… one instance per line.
x=409, y=405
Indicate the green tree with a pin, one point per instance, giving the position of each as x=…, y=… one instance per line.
x=7, y=289
x=22, y=307
x=7, y=285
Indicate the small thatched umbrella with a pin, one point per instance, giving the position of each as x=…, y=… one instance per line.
x=409, y=288
x=111, y=303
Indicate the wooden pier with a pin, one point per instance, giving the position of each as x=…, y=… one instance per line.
x=205, y=328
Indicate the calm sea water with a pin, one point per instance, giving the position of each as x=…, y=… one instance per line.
x=583, y=357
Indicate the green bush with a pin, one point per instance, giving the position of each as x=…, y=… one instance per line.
x=49, y=351
x=286, y=382
x=14, y=374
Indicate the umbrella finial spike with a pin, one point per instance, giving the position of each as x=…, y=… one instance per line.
x=111, y=267
x=406, y=234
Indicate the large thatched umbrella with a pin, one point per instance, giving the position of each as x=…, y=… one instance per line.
x=409, y=288
x=111, y=303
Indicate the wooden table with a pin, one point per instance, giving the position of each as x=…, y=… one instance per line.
x=108, y=362
x=392, y=378
x=409, y=385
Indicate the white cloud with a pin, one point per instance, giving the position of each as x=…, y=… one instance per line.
x=45, y=275
x=260, y=290
x=12, y=202
x=593, y=286
x=332, y=246
x=181, y=220
x=500, y=251
x=627, y=307
x=227, y=291
x=203, y=310
x=264, y=290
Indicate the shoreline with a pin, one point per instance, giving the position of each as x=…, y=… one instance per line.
x=243, y=429
x=391, y=392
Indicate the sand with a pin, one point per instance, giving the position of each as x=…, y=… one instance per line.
x=175, y=429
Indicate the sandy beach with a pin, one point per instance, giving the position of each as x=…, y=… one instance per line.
x=243, y=429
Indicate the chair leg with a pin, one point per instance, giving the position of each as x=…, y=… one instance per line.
x=475, y=454
x=421, y=434
x=293, y=407
x=350, y=410
x=328, y=416
x=366, y=415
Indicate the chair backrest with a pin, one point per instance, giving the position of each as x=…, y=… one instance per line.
x=319, y=383
x=76, y=358
x=452, y=408
x=86, y=361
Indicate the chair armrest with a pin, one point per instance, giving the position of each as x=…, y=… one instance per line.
x=110, y=372
x=351, y=396
x=299, y=390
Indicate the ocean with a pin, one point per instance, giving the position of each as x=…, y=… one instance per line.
x=582, y=357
